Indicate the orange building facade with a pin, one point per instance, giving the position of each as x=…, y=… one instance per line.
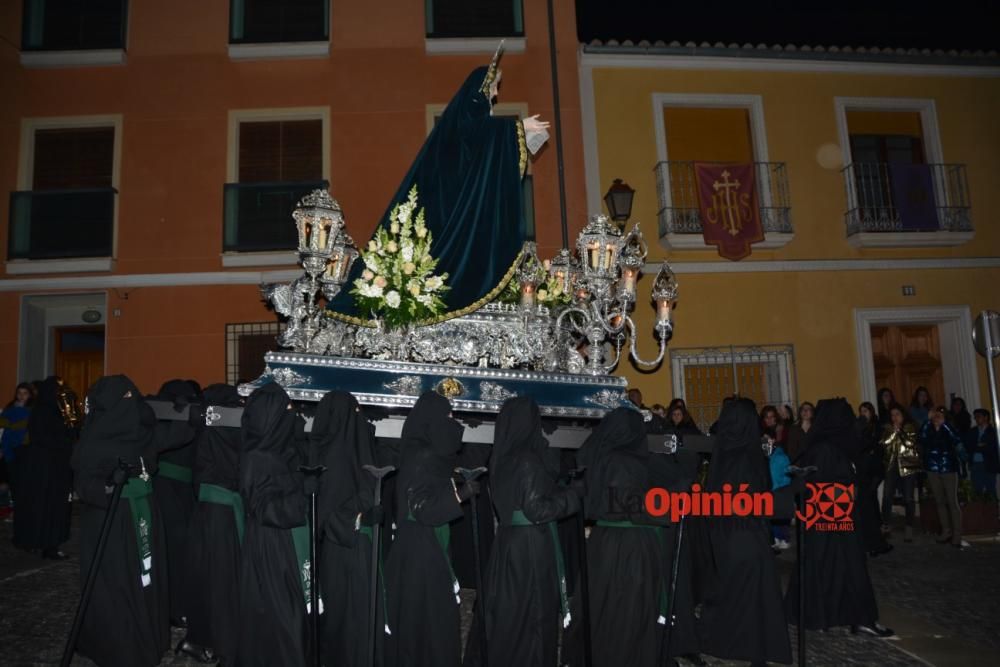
x=122, y=144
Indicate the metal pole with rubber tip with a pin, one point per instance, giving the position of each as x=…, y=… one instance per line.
x=671, y=619
x=379, y=474
x=469, y=475
x=584, y=592
x=312, y=474
x=799, y=474
x=118, y=479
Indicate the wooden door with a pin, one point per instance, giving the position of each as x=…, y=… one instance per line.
x=907, y=357
x=79, y=357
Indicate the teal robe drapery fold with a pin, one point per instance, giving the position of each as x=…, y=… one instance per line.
x=468, y=176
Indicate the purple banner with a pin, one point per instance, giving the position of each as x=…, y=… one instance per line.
x=913, y=194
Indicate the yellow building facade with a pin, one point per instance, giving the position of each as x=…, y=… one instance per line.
x=843, y=295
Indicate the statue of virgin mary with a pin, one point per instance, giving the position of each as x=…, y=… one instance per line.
x=468, y=174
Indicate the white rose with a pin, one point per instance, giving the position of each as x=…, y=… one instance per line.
x=371, y=263
x=391, y=246
x=425, y=299
x=372, y=246
x=433, y=283
x=367, y=275
x=392, y=299
x=394, y=228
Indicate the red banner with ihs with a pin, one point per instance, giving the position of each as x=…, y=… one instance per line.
x=727, y=201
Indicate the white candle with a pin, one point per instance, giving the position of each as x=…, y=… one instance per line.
x=527, y=295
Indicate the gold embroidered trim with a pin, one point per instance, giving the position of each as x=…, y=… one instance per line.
x=490, y=296
x=522, y=149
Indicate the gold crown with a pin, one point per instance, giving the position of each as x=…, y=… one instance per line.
x=491, y=73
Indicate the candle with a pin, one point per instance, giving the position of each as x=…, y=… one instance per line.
x=527, y=295
x=663, y=311
x=628, y=281
x=610, y=255
x=593, y=255
x=581, y=294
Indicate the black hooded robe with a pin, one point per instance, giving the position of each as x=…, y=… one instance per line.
x=421, y=588
x=870, y=469
x=523, y=583
x=742, y=617
x=175, y=494
x=272, y=599
x=627, y=556
x=214, y=571
x=127, y=621
x=343, y=442
x=45, y=478
x=838, y=587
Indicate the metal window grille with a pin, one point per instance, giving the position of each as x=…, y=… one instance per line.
x=246, y=344
x=704, y=377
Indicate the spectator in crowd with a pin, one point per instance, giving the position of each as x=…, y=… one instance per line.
x=943, y=456
x=959, y=418
x=14, y=427
x=786, y=418
x=681, y=423
x=920, y=406
x=886, y=399
x=796, y=441
x=778, y=463
x=981, y=443
x=769, y=421
x=870, y=469
x=902, y=465
x=635, y=395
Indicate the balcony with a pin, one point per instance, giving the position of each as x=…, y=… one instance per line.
x=257, y=219
x=680, y=219
x=907, y=205
x=56, y=34
x=76, y=226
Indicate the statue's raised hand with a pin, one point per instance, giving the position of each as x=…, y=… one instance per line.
x=532, y=124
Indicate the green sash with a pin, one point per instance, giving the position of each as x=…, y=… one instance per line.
x=518, y=518
x=443, y=535
x=300, y=540
x=219, y=495
x=658, y=531
x=138, y=492
x=175, y=472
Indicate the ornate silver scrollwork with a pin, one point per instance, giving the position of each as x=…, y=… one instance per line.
x=607, y=398
x=491, y=391
x=286, y=377
x=211, y=415
x=406, y=385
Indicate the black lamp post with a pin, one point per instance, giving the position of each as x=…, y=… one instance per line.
x=619, y=202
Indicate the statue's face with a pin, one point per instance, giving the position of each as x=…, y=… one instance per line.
x=495, y=86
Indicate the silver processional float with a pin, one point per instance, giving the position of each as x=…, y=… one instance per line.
x=555, y=333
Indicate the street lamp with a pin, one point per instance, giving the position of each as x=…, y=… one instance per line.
x=618, y=199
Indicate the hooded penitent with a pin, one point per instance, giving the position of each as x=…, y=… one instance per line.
x=838, y=588
x=217, y=527
x=130, y=593
x=525, y=578
x=42, y=519
x=175, y=494
x=342, y=441
x=274, y=568
x=468, y=175
x=421, y=588
x=628, y=556
x=742, y=617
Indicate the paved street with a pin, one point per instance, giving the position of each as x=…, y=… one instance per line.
x=944, y=605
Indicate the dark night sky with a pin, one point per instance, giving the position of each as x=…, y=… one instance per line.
x=954, y=24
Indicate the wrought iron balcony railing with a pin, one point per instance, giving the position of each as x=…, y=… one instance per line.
x=889, y=197
x=61, y=224
x=677, y=189
x=256, y=215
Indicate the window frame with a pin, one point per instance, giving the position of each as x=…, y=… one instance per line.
x=235, y=118
x=32, y=57
x=25, y=179
x=247, y=50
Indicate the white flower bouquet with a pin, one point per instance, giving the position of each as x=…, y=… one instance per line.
x=398, y=284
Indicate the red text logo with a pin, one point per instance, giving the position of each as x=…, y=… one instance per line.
x=828, y=506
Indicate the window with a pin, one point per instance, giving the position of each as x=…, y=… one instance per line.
x=704, y=377
x=63, y=25
x=246, y=344
x=722, y=129
x=900, y=192
x=271, y=21
x=275, y=162
x=66, y=207
x=474, y=18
